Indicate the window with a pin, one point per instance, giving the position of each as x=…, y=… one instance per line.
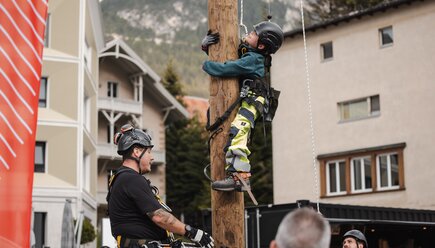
x=40, y=156
x=86, y=172
x=47, y=30
x=326, y=49
x=39, y=228
x=361, y=174
x=87, y=113
x=138, y=93
x=386, y=36
x=112, y=89
x=88, y=55
x=43, y=92
x=388, y=171
x=359, y=109
x=366, y=170
x=336, y=178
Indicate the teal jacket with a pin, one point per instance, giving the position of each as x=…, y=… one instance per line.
x=251, y=64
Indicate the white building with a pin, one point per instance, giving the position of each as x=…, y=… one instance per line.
x=88, y=91
x=372, y=93
x=66, y=147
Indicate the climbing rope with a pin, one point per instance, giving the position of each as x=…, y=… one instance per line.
x=241, y=18
x=242, y=25
x=310, y=112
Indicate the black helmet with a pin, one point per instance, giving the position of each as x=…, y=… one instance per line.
x=270, y=35
x=357, y=235
x=130, y=136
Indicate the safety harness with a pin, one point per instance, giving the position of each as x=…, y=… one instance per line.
x=125, y=242
x=154, y=189
x=111, y=181
x=250, y=88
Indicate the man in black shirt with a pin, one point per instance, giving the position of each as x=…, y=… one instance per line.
x=137, y=215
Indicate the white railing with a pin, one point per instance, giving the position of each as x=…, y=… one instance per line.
x=118, y=105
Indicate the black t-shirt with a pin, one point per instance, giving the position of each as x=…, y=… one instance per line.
x=130, y=200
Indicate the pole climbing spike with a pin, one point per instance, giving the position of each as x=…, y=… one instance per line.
x=247, y=187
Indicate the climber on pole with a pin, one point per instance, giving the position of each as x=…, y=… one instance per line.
x=256, y=99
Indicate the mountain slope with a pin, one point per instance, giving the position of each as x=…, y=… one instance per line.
x=159, y=31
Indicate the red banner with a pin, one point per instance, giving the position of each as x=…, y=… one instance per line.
x=22, y=25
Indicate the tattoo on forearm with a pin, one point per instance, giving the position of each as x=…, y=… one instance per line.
x=166, y=217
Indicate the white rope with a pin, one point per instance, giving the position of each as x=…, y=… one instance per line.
x=241, y=18
x=310, y=111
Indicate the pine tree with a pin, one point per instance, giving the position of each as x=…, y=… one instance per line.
x=188, y=191
x=171, y=81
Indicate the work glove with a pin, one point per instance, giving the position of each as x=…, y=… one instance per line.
x=208, y=40
x=199, y=236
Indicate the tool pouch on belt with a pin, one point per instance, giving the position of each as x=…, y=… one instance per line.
x=261, y=87
x=272, y=104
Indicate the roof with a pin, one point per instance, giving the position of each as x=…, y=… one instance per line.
x=339, y=213
x=363, y=150
x=130, y=62
x=354, y=15
x=197, y=106
x=96, y=17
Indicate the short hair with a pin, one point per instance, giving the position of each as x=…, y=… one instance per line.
x=127, y=154
x=305, y=228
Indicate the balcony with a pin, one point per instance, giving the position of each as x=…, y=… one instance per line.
x=119, y=105
x=101, y=197
x=108, y=151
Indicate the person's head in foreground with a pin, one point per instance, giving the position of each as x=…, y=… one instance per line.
x=354, y=239
x=302, y=228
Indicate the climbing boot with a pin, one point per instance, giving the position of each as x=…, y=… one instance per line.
x=232, y=182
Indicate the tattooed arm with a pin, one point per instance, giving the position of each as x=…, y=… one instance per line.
x=167, y=221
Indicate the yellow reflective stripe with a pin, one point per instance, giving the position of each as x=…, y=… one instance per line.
x=118, y=240
x=111, y=179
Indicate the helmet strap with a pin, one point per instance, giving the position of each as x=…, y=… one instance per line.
x=138, y=159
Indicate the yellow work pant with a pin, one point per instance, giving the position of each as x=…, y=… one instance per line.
x=237, y=151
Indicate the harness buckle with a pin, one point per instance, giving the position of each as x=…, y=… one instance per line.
x=244, y=91
x=245, y=87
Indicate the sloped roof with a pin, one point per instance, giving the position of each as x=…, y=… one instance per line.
x=96, y=17
x=197, y=106
x=130, y=62
x=354, y=15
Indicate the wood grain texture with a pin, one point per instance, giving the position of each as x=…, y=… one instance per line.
x=227, y=207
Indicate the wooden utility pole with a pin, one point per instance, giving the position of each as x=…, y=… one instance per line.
x=227, y=207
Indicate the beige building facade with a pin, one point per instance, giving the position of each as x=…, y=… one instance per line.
x=130, y=92
x=371, y=82
x=66, y=138
x=89, y=89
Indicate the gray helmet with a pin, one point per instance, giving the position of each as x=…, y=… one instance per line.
x=357, y=235
x=129, y=136
x=270, y=35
